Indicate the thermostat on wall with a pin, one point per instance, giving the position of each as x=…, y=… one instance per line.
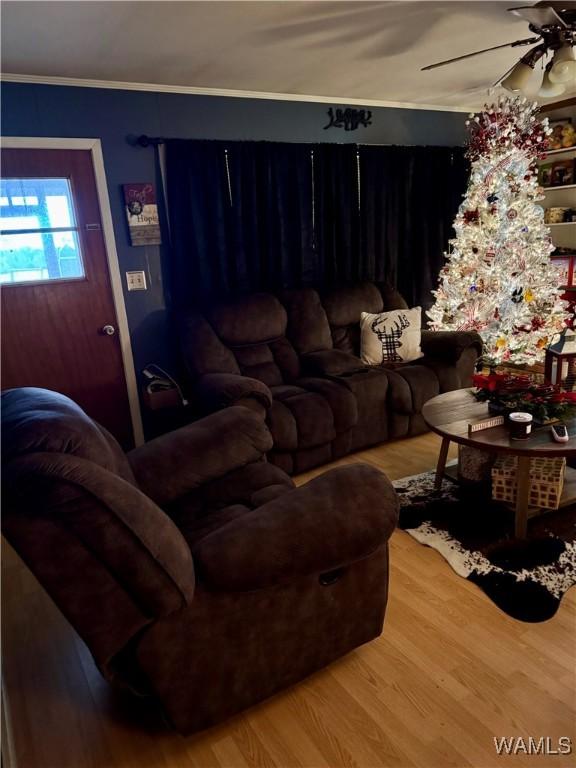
x=136, y=280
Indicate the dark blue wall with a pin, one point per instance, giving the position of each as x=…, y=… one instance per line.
x=112, y=115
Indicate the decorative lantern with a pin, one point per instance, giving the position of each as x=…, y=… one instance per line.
x=560, y=364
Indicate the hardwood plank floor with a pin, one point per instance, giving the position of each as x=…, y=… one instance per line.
x=449, y=673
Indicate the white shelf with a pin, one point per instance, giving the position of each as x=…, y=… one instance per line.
x=564, y=186
x=560, y=151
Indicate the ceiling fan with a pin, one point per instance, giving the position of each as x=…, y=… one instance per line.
x=553, y=25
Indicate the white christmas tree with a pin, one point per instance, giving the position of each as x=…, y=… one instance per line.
x=498, y=278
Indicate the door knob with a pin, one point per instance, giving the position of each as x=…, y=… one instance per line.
x=108, y=330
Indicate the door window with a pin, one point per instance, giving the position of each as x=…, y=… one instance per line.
x=38, y=232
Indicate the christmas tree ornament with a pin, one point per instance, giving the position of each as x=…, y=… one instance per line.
x=498, y=278
x=471, y=217
x=517, y=295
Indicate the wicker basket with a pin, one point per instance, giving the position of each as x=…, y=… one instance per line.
x=546, y=481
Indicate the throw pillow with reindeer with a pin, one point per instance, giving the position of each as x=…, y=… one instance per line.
x=391, y=337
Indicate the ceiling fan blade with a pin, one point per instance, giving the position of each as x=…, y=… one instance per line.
x=515, y=44
x=538, y=16
x=496, y=83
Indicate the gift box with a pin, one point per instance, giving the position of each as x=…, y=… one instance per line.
x=546, y=481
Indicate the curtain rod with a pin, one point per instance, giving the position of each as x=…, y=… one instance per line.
x=147, y=141
x=155, y=141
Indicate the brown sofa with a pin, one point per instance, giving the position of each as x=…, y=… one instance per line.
x=296, y=356
x=193, y=569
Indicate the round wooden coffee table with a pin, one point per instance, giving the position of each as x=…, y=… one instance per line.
x=449, y=416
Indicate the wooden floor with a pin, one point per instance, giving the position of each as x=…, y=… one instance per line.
x=449, y=673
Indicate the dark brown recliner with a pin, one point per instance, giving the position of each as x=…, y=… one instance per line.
x=194, y=570
x=296, y=357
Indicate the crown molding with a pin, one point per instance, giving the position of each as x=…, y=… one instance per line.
x=227, y=92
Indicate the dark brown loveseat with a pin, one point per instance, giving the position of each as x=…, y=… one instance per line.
x=295, y=356
x=194, y=571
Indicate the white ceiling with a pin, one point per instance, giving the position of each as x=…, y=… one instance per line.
x=363, y=51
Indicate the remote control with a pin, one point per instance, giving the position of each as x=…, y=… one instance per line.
x=560, y=433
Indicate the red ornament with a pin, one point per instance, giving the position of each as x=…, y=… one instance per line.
x=471, y=217
x=512, y=214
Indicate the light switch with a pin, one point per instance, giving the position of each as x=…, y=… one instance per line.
x=136, y=280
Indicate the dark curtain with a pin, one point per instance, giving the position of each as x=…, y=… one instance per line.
x=202, y=259
x=271, y=214
x=409, y=196
x=337, y=213
x=248, y=216
x=240, y=218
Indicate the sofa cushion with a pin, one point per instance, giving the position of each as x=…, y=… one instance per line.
x=391, y=298
x=41, y=421
x=410, y=386
x=301, y=420
x=282, y=425
x=272, y=363
x=308, y=327
x=285, y=358
x=313, y=529
x=286, y=390
x=194, y=529
x=331, y=362
x=343, y=308
x=220, y=390
x=253, y=329
x=314, y=419
x=340, y=399
x=344, y=305
x=258, y=362
x=249, y=320
x=121, y=528
x=202, y=350
x=241, y=486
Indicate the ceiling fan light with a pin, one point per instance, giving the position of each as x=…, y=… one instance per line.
x=548, y=88
x=518, y=79
x=563, y=65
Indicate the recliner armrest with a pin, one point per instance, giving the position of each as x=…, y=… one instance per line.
x=331, y=362
x=220, y=390
x=178, y=462
x=448, y=346
x=334, y=520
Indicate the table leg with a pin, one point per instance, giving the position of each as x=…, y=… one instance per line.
x=441, y=466
x=522, y=497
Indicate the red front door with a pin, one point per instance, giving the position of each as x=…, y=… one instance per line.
x=59, y=325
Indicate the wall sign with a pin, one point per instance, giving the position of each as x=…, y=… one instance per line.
x=142, y=214
x=348, y=118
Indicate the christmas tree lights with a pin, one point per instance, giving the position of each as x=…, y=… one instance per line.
x=498, y=278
